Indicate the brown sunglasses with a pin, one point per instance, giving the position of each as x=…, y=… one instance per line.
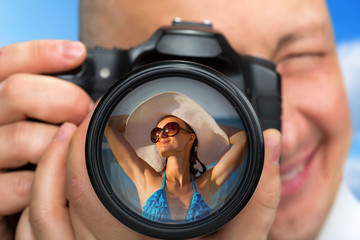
x=169, y=130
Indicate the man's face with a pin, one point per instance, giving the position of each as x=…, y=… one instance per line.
x=297, y=36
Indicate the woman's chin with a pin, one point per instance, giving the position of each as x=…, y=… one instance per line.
x=164, y=153
x=166, y=150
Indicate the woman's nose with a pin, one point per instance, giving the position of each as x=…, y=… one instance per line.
x=162, y=134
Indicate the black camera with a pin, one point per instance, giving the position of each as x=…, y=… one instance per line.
x=185, y=71
x=188, y=41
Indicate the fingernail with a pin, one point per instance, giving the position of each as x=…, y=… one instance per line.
x=71, y=49
x=63, y=132
x=276, y=152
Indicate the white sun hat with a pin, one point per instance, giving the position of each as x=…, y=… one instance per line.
x=212, y=140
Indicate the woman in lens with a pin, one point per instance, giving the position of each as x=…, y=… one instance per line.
x=164, y=146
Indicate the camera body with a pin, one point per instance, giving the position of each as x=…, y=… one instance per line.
x=193, y=42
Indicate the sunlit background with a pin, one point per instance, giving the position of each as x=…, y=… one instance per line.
x=43, y=19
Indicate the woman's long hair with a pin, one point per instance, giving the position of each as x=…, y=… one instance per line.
x=193, y=155
x=194, y=158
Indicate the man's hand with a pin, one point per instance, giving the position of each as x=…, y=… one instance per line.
x=31, y=108
x=90, y=220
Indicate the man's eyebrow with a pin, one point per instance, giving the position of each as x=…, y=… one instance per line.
x=297, y=34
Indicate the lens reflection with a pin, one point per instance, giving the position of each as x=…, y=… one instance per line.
x=180, y=178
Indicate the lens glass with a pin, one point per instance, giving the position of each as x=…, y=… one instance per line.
x=174, y=150
x=148, y=177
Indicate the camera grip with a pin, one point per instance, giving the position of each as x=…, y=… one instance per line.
x=264, y=91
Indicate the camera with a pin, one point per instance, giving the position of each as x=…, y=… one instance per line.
x=188, y=41
x=189, y=74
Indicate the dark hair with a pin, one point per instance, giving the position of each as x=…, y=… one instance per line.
x=193, y=155
x=194, y=158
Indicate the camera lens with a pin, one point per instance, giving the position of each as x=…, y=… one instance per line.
x=137, y=175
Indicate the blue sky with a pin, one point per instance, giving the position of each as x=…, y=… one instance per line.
x=43, y=19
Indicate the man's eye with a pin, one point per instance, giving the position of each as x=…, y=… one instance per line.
x=299, y=63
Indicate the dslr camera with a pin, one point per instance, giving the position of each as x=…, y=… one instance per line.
x=190, y=60
x=193, y=42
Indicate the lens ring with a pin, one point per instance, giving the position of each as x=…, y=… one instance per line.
x=214, y=80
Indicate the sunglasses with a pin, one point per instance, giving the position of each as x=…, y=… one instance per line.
x=169, y=130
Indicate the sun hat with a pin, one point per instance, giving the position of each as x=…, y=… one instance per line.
x=212, y=140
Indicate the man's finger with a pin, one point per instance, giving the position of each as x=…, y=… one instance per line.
x=255, y=220
x=23, y=229
x=15, y=190
x=41, y=56
x=18, y=146
x=43, y=98
x=49, y=214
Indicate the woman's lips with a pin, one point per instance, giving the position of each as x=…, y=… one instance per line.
x=163, y=141
x=294, y=176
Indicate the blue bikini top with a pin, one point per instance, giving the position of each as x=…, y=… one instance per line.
x=156, y=207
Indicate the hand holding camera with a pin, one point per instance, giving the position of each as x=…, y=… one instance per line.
x=179, y=52
x=31, y=107
x=87, y=217
x=76, y=154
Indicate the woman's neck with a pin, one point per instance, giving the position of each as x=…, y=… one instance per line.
x=178, y=170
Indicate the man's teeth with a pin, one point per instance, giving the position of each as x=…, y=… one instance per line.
x=293, y=173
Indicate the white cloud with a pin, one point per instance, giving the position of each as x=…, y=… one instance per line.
x=349, y=55
x=352, y=170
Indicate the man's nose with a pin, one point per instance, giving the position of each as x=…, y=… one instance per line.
x=294, y=128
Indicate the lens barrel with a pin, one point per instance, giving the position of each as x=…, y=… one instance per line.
x=214, y=92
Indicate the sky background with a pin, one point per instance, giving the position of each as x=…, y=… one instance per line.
x=43, y=19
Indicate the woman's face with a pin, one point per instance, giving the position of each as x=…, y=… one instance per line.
x=181, y=143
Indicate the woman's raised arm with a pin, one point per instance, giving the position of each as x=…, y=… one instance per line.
x=229, y=162
x=131, y=163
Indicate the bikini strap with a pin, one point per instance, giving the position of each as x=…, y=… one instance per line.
x=163, y=182
x=192, y=180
